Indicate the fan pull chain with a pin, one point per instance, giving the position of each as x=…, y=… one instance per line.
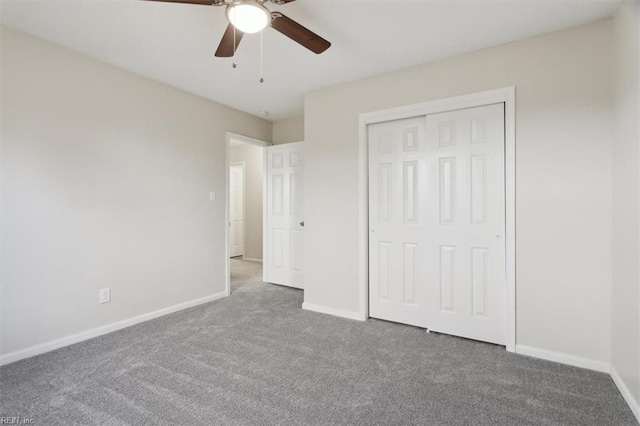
x=261, y=57
x=234, y=47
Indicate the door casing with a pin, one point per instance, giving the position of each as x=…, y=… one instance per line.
x=504, y=95
x=244, y=204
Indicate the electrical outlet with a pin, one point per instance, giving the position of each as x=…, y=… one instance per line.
x=105, y=295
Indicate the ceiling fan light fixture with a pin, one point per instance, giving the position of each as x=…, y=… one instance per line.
x=248, y=16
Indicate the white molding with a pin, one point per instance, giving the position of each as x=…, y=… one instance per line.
x=105, y=329
x=626, y=393
x=248, y=259
x=248, y=140
x=363, y=213
x=561, y=358
x=510, y=213
x=265, y=224
x=244, y=203
x=504, y=95
x=334, y=312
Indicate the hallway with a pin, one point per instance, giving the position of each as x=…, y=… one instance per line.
x=244, y=272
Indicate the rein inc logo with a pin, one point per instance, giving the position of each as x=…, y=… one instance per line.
x=16, y=420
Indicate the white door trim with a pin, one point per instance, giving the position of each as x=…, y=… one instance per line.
x=227, y=179
x=244, y=203
x=506, y=95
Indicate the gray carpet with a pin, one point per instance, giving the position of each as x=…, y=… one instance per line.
x=257, y=358
x=243, y=273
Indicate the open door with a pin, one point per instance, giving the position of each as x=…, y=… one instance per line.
x=285, y=216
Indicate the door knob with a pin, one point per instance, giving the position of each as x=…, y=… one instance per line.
x=302, y=223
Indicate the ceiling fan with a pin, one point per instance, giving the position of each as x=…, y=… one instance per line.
x=251, y=16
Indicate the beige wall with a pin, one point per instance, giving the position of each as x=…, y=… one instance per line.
x=288, y=131
x=626, y=202
x=105, y=183
x=563, y=179
x=252, y=157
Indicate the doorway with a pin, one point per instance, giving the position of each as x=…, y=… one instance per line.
x=245, y=213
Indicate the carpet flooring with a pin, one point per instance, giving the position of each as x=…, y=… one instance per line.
x=243, y=273
x=257, y=358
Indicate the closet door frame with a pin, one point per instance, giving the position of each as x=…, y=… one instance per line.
x=504, y=95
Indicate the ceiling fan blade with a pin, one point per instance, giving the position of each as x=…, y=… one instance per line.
x=202, y=2
x=298, y=33
x=227, y=49
x=281, y=2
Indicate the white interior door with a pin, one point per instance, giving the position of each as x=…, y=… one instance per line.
x=285, y=191
x=466, y=223
x=397, y=221
x=236, y=213
x=437, y=222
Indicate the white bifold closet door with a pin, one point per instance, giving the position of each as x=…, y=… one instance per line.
x=437, y=218
x=285, y=216
x=397, y=221
x=466, y=223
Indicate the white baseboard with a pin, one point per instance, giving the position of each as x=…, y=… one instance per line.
x=99, y=331
x=575, y=361
x=335, y=312
x=626, y=393
x=248, y=259
x=590, y=364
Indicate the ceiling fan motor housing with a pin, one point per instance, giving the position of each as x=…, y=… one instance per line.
x=248, y=16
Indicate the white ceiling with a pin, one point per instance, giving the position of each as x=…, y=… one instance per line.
x=175, y=43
